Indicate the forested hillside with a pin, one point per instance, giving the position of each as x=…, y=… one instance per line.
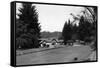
x=46, y=34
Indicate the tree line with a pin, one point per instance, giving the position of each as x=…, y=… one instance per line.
x=86, y=28
x=82, y=31
x=47, y=34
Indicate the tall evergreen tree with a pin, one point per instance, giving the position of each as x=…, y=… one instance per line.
x=85, y=28
x=67, y=31
x=28, y=28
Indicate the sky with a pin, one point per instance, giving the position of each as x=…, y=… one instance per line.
x=52, y=17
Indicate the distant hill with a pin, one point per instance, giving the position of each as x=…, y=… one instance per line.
x=46, y=34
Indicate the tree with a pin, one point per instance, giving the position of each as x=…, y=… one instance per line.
x=67, y=31
x=90, y=12
x=27, y=27
x=85, y=28
x=87, y=22
x=74, y=32
x=93, y=12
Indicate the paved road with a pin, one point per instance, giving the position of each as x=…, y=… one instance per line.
x=66, y=54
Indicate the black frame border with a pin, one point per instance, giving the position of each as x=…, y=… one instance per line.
x=13, y=35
